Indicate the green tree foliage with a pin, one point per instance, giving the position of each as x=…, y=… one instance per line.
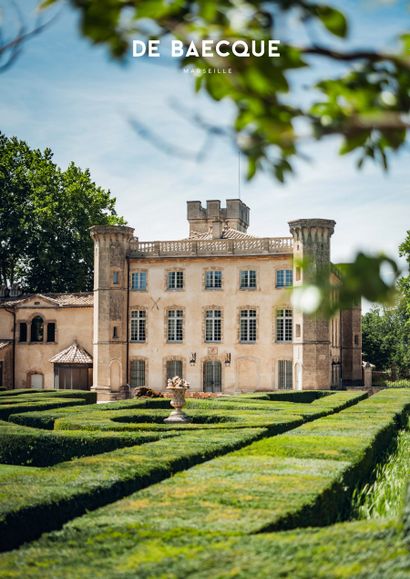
x=365, y=102
x=386, y=339
x=404, y=250
x=386, y=331
x=45, y=214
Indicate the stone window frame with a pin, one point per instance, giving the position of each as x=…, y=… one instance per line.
x=212, y=289
x=292, y=369
x=168, y=309
x=33, y=317
x=209, y=358
x=140, y=270
x=53, y=321
x=176, y=270
x=254, y=268
x=116, y=270
x=274, y=323
x=138, y=309
x=115, y=324
x=144, y=359
x=238, y=317
x=34, y=372
x=28, y=321
x=283, y=268
x=166, y=359
x=204, y=310
x=28, y=332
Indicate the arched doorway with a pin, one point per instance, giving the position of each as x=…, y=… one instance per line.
x=212, y=376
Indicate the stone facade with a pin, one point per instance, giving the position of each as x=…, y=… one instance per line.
x=214, y=307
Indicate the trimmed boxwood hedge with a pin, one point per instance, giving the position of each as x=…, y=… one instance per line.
x=37, y=502
x=179, y=528
x=6, y=410
x=21, y=445
x=369, y=549
x=29, y=394
x=44, y=498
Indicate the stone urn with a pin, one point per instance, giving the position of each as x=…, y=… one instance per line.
x=177, y=387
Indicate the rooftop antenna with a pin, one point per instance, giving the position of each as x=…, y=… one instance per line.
x=239, y=173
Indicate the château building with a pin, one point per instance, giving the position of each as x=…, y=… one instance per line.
x=214, y=308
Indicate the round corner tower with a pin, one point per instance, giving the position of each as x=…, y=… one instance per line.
x=311, y=350
x=111, y=246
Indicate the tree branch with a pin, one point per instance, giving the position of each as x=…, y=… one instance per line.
x=355, y=55
x=13, y=47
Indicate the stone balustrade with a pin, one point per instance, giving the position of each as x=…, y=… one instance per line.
x=210, y=247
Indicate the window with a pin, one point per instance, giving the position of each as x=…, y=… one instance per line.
x=23, y=332
x=285, y=375
x=213, y=280
x=115, y=277
x=298, y=274
x=284, y=278
x=137, y=373
x=37, y=329
x=139, y=280
x=175, y=280
x=138, y=326
x=175, y=326
x=284, y=326
x=336, y=374
x=248, y=326
x=248, y=279
x=212, y=376
x=115, y=332
x=51, y=332
x=174, y=368
x=213, y=326
x=356, y=339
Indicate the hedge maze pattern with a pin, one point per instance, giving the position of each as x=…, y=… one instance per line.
x=112, y=491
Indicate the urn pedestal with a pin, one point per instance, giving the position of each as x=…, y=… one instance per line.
x=177, y=402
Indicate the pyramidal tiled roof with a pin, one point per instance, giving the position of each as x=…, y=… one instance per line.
x=74, y=354
x=227, y=233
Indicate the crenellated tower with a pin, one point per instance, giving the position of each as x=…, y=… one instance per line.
x=311, y=350
x=235, y=216
x=111, y=244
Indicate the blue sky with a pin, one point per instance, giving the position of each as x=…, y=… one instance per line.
x=65, y=94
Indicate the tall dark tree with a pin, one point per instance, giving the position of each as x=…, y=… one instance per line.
x=45, y=214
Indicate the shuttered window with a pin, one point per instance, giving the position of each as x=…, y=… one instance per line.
x=174, y=368
x=285, y=375
x=137, y=373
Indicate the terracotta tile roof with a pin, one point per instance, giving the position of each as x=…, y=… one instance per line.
x=4, y=344
x=227, y=233
x=64, y=300
x=74, y=354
